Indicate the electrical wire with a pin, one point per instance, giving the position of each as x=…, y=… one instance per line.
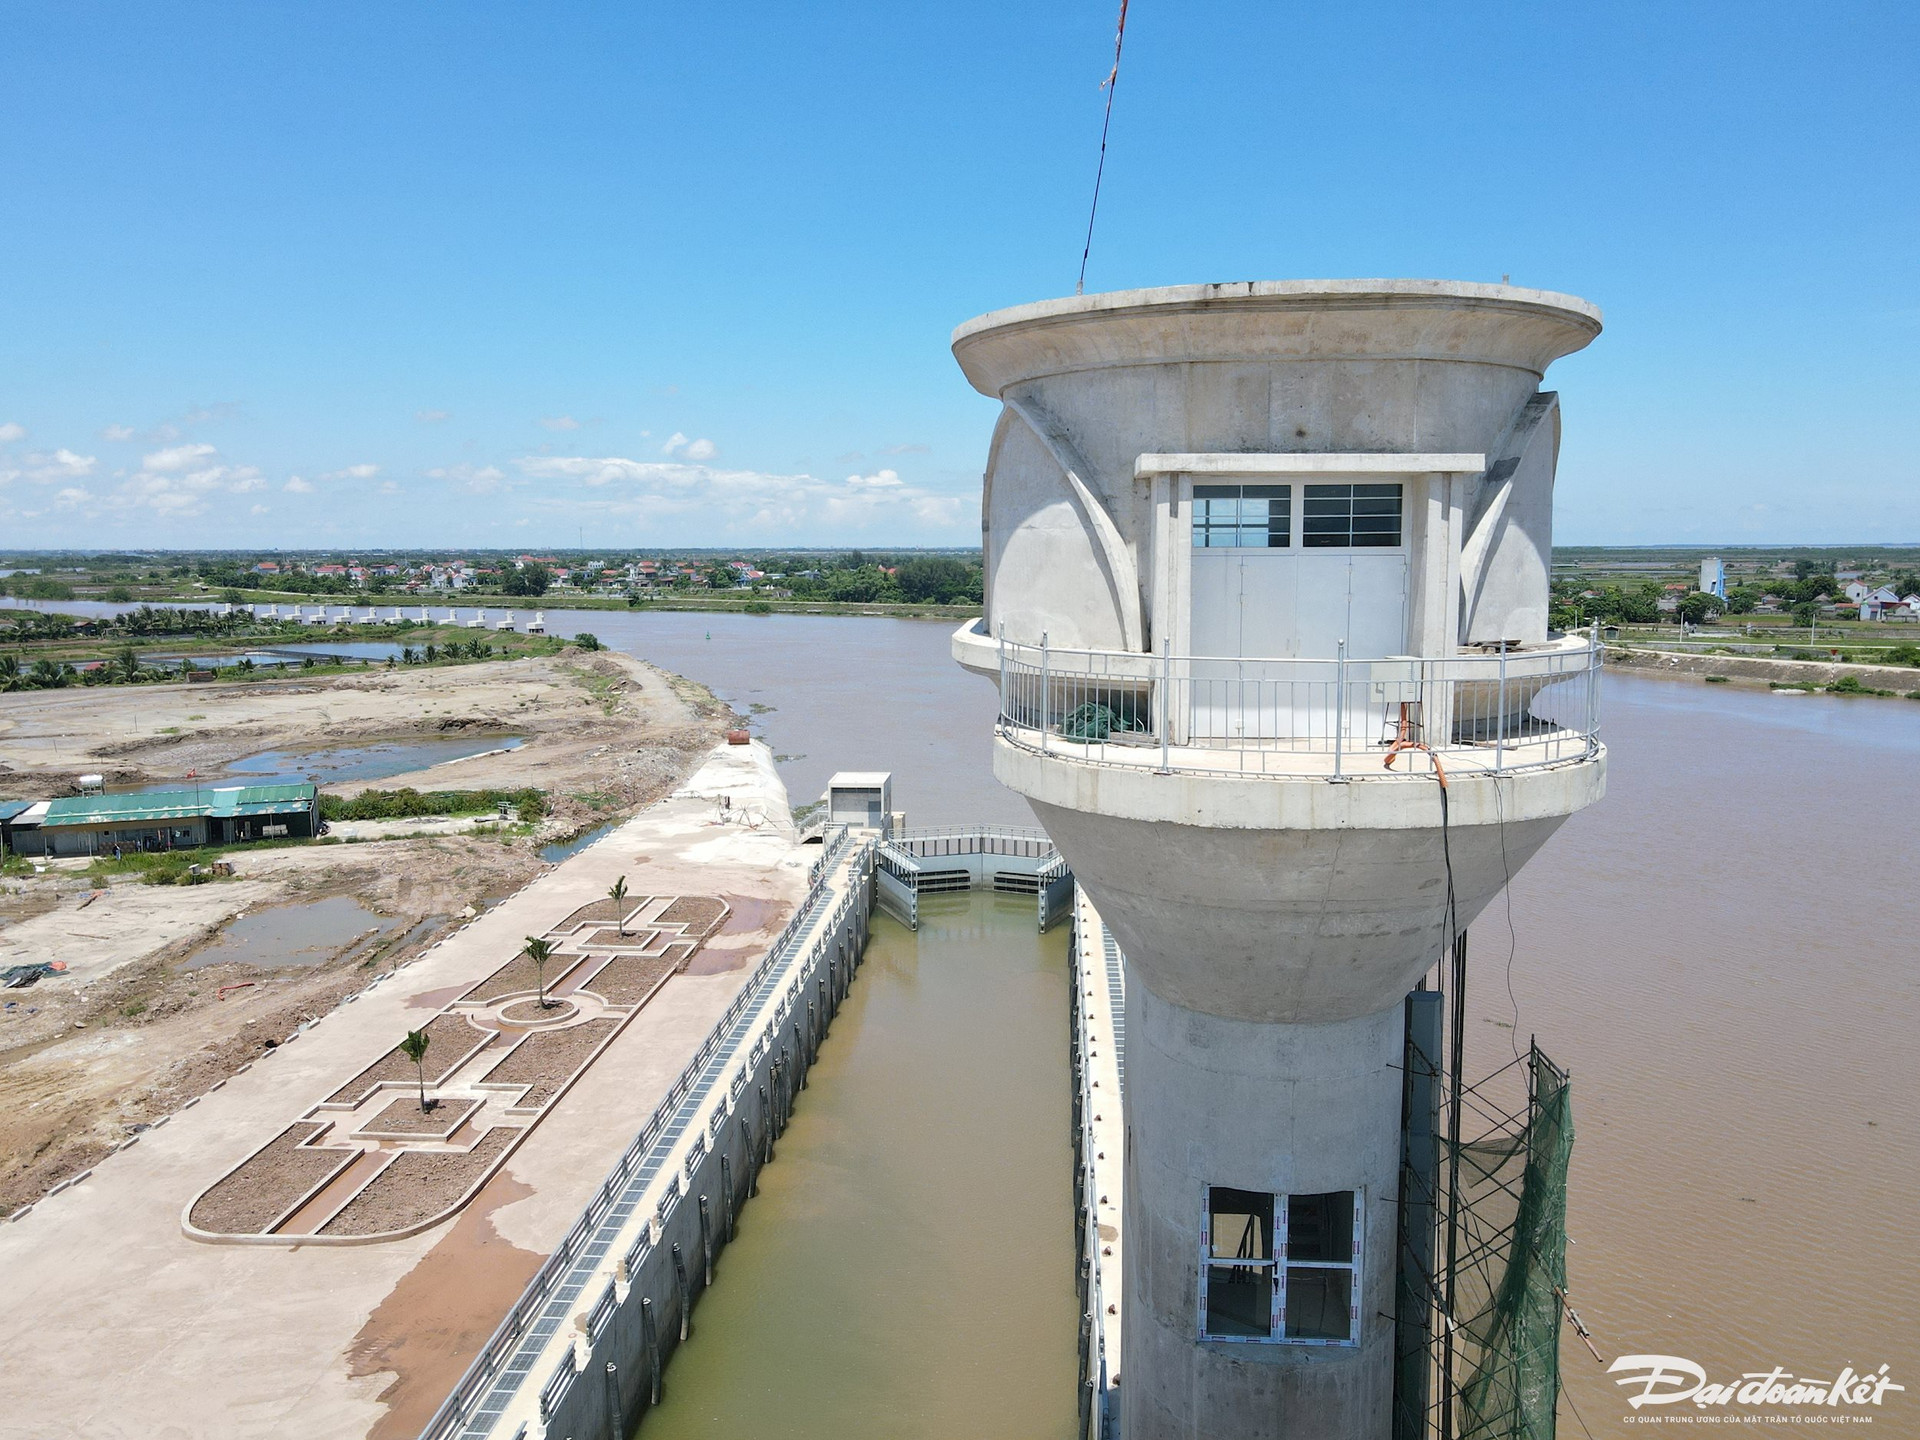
x=1576, y=1413
x=1513, y=935
x=1110, y=84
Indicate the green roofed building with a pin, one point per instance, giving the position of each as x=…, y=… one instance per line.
x=177, y=819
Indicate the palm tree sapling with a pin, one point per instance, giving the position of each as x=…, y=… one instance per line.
x=540, y=952
x=617, y=893
x=414, y=1047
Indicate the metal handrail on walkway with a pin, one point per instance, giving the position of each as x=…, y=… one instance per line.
x=1505, y=710
x=504, y=1364
x=926, y=844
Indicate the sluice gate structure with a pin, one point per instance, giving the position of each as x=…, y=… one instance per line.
x=1007, y=859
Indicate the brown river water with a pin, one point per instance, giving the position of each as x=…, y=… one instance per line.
x=1725, y=952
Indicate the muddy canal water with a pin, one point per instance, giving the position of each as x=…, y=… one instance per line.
x=1725, y=952
x=908, y=1266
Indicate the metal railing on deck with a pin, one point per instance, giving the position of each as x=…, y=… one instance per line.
x=1510, y=709
x=927, y=844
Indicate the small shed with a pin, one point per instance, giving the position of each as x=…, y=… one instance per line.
x=861, y=798
x=20, y=826
x=179, y=819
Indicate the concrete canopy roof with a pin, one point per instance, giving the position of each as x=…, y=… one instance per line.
x=225, y=803
x=1275, y=320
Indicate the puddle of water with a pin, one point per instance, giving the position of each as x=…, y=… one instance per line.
x=292, y=934
x=364, y=762
x=346, y=762
x=279, y=655
x=343, y=650
x=172, y=659
x=560, y=849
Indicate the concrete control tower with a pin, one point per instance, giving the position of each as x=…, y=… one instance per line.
x=1266, y=564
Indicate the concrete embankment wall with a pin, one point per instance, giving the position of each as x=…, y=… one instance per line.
x=1901, y=678
x=635, y=1324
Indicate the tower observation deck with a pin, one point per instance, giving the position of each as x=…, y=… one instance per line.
x=1266, y=604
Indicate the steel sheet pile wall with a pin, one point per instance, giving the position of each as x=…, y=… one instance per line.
x=734, y=1101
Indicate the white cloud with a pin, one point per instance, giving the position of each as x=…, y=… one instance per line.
x=11, y=431
x=905, y=449
x=174, y=481
x=259, y=510
x=679, y=445
x=353, y=472
x=61, y=465
x=474, y=479
x=712, y=500
x=297, y=486
x=387, y=487
x=177, y=457
x=119, y=433
x=560, y=422
x=433, y=417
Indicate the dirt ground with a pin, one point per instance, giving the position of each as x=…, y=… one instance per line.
x=129, y=1035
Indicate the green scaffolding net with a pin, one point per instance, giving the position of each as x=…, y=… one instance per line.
x=1513, y=1270
x=1494, y=1372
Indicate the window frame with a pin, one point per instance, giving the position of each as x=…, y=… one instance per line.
x=1279, y=1265
x=1348, y=543
x=1203, y=529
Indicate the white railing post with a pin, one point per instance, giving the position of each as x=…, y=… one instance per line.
x=1500, y=722
x=1593, y=684
x=1166, y=701
x=1339, y=706
x=1003, y=672
x=1046, y=693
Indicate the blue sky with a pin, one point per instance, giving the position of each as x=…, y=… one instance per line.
x=504, y=275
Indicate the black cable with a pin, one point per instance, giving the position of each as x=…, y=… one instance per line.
x=1113, y=83
x=1513, y=935
x=1565, y=1395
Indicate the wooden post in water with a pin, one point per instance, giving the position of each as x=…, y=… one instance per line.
x=652, y=1341
x=706, y=1241
x=615, y=1419
x=686, y=1296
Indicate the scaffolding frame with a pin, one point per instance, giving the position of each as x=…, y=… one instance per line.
x=1481, y=1273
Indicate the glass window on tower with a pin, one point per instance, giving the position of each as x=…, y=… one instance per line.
x=1247, y=517
x=1280, y=1269
x=1237, y=1298
x=1323, y=1258
x=1342, y=516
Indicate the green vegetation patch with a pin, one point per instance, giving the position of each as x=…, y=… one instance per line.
x=407, y=803
x=158, y=867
